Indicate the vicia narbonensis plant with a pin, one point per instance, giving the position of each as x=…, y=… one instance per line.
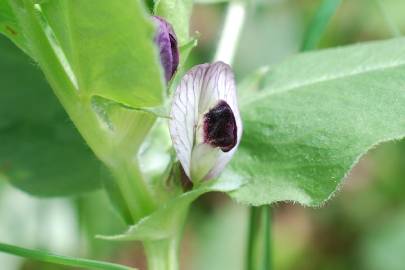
x=113, y=66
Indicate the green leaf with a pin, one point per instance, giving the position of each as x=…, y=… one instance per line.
x=319, y=23
x=184, y=51
x=40, y=150
x=115, y=58
x=166, y=221
x=105, y=73
x=318, y=115
x=44, y=256
x=178, y=13
x=10, y=27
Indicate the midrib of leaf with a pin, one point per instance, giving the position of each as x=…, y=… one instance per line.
x=359, y=71
x=55, y=45
x=75, y=57
x=71, y=44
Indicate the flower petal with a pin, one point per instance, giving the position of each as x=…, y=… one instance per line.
x=204, y=89
x=166, y=40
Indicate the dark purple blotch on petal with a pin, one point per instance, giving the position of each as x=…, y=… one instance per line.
x=166, y=40
x=220, y=128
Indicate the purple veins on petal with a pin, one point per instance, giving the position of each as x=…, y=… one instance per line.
x=166, y=40
x=220, y=128
x=205, y=123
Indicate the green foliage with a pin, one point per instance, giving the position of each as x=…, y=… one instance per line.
x=178, y=13
x=319, y=113
x=211, y=1
x=168, y=219
x=60, y=260
x=319, y=23
x=10, y=27
x=258, y=254
x=40, y=152
x=94, y=66
x=99, y=36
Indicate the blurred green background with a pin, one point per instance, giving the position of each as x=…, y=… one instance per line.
x=362, y=227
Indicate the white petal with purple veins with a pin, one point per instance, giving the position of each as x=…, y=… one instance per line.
x=205, y=123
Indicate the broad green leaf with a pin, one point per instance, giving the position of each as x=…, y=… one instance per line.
x=86, y=58
x=114, y=58
x=167, y=219
x=178, y=13
x=40, y=150
x=105, y=47
x=10, y=27
x=318, y=115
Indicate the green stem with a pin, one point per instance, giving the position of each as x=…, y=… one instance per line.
x=234, y=20
x=258, y=255
x=59, y=75
x=116, y=150
x=267, y=237
x=319, y=23
x=254, y=214
x=134, y=190
x=164, y=254
x=61, y=260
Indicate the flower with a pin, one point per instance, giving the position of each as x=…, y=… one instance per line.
x=166, y=40
x=205, y=124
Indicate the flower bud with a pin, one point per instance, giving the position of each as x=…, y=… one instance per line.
x=166, y=40
x=205, y=123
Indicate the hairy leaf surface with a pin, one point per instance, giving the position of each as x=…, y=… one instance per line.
x=317, y=115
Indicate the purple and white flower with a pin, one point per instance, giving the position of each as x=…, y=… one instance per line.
x=166, y=40
x=205, y=123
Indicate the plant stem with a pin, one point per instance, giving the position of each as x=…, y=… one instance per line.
x=267, y=237
x=254, y=214
x=164, y=254
x=258, y=256
x=319, y=23
x=133, y=189
x=44, y=256
x=234, y=20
